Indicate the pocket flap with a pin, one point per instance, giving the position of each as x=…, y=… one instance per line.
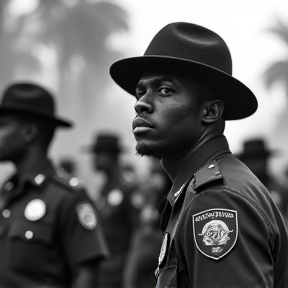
x=31, y=232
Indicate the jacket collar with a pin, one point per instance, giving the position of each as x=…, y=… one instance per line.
x=207, y=152
x=36, y=176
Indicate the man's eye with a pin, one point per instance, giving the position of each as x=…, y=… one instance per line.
x=165, y=91
x=139, y=94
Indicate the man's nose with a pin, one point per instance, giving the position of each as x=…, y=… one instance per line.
x=143, y=105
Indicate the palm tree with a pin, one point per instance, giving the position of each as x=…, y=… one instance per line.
x=278, y=72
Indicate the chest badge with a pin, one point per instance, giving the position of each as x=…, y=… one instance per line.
x=86, y=215
x=215, y=232
x=35, y=210
x=115, y=197
x=163, y=249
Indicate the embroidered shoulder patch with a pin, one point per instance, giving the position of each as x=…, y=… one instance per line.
x=215, y=232
x=86, y=215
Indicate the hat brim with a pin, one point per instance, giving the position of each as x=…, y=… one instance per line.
x=264, y=154
x=55, y=120
x=92, y=150
x=239, y=101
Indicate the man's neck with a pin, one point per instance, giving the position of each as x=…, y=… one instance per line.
x=29, y=163
x=172, y=164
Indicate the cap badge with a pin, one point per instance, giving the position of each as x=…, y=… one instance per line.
x=215, y=232
x=86, y=215
x=35, y=210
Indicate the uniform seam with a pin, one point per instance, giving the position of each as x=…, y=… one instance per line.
x=248, y=199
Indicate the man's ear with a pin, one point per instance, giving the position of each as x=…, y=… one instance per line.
x=29, y=132
x=213, y=110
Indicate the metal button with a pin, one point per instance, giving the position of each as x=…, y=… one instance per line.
x=74, y=181
x=211, y=166
x=39, y=179
x=6, y=213
x=216, y=173
x=29, y=235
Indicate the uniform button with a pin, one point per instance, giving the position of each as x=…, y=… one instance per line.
x=39, y=179
x=74, y=181
x=6, y=213
x=29, y=235
x=216, y=173
x=8, y=186
x=211, y=166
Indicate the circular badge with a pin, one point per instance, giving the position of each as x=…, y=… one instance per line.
x=86, y=215
x=35, y=210
x=115, y=197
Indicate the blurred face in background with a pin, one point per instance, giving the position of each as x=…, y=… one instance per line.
x=104, y=161
x=12, y=144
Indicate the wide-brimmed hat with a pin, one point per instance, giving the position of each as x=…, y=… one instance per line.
x=32, y=99
x=255, y=148
x=196, y=52
x=105, y=143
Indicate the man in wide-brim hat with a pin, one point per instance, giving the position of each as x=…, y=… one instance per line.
x=117, y=213
x=48, y=228
x=184, y=93
x=256, y=156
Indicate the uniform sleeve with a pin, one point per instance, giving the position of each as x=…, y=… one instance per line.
x=226, y=241
x=82, y=237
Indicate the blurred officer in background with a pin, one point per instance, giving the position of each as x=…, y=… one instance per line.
x=222, y=228
x=116, y=211
x=143, y=255
x=256, y=156
x=49, y=232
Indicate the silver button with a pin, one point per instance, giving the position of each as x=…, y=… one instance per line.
x=73, y=181
x=6, y=213
x=29, y=235
x=216, y=173
x=39, y=179
x=211, y=166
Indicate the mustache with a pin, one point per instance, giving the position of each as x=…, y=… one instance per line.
x=141, y=120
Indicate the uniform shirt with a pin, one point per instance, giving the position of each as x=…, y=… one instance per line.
x=47, y=227
x=118, y=218
x=222, y=229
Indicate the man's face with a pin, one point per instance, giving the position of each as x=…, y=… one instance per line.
x=103, y=161
x=169, y=116
x=11, y=142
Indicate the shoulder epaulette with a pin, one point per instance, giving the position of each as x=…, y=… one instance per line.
x=208, y=173
x=68, y=181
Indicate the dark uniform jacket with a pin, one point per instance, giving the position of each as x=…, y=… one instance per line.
x=118, y=218
x=48, y=226
x=222, y=228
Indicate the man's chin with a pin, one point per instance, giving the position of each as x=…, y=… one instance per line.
x=147, y=150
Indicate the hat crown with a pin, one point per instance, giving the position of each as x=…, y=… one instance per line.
x=191, y=42
x=29, y=95
x=255, y=146
x=108, y=143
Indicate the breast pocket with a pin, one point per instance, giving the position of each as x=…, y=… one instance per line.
x=29, y=244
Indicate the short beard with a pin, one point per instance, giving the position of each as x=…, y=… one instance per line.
x=147, y=151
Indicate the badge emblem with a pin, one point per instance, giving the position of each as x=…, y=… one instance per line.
x=215, y=232
x=35, y=210
x=163, y=249
x=86, y=215
x=115, y=197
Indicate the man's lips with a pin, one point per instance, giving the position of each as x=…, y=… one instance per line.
x=140, y=124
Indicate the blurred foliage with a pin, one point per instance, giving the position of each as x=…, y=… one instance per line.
x=278, y=71
x=77, y=30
